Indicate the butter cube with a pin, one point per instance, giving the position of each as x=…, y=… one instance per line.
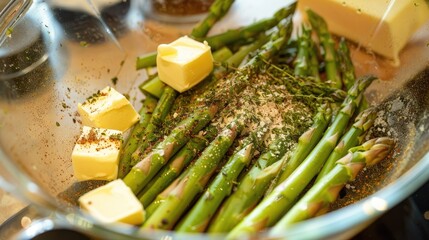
x=379, y=25
x=184, y=63
x=113, y=202
x=108, y=109
x=96, y=154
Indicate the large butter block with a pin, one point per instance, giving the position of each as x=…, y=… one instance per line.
x=184, y=63
x=108, y=109
x=383, y=26
x=96, y=154
x=113, y=202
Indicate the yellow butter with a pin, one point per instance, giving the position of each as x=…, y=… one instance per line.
x=383, y=26
x=184, y=63
x=113, y=202
x=96, y=154
x=108, y=109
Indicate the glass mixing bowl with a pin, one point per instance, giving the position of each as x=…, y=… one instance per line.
x=54, y=54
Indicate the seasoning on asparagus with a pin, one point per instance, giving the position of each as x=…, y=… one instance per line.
x=307, y=141
x=266, y=214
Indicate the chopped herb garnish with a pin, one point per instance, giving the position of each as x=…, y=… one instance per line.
x=114, y=80
x=115, y=137
x=84, y=43
x=9, y=32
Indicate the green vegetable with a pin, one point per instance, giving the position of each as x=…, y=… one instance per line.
x=131, y=144
x=176, y=165
x=327, y=189
x=328, y=45
x=267, y=213
x=178, y=200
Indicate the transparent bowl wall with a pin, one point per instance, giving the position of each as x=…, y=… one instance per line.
x=57, y=55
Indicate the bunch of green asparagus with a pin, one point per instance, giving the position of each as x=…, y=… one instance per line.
x=238, y=153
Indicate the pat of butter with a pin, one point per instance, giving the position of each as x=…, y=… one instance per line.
x=113, y=202
x=96, y=154
x=108, y=109
x=383, y=26
x=184, y=63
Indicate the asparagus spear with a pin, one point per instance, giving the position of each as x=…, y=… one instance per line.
x=328, y=45
x=222, y=54
x=313, y=69
x=302, y=87
x=146, y=111
x=346, y=64
x=277, y=40
x=180, y=160
x=149, y=210
x=236, y=59
x=354, y=136
x=307, y=141
x=153, y=87
x=150, y=133
x=144, y=170
x=146, y=60
x=251, y=188
x=169, y=212
x=302, y=60
x=267, y=213
x=199, y=216
x=326, y=190
x=228, y=37
x=216, y=11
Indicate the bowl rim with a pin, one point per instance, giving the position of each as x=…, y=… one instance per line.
x=331, y=224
